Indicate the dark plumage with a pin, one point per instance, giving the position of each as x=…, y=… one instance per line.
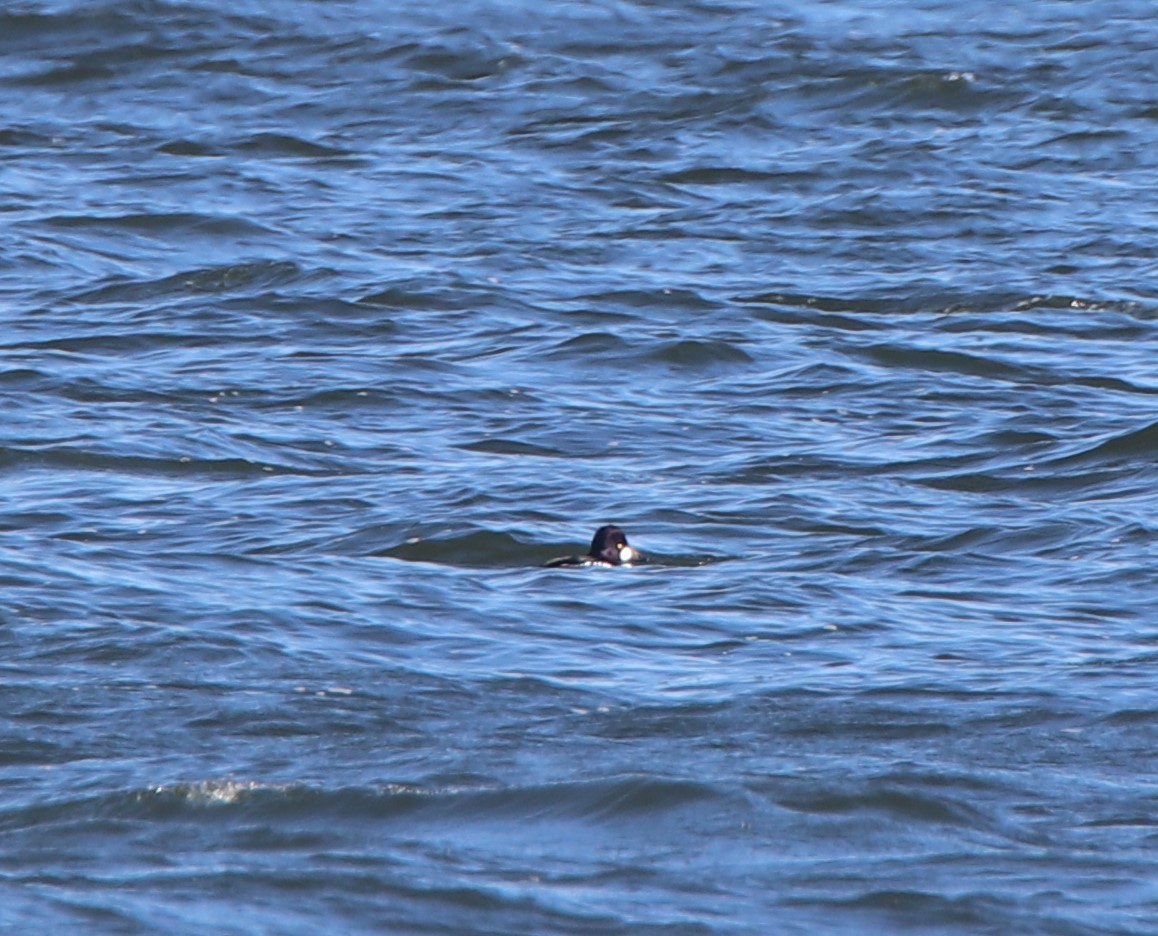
x=608, y=548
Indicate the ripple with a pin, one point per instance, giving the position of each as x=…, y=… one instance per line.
x=846, y=316
x=479, y=549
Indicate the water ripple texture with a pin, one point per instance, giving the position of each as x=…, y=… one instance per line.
x=325, y=325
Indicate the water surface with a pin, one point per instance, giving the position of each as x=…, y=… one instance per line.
x=326, y=324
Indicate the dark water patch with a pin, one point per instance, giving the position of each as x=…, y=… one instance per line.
x=823, y=303
x=1127, y=447
x=192, y=148
x=88, y=69
x=458, y=57
x=23, y=138
x=995, y=483
x=511, y=447
x=280, y=145
x=645, y=299
x=906, y=908
x=481, y=549
x=240, y=277
x=29, y=751
x=811, y=379
x=897, y=798
x=24, y=378
x=1146, y=717
x=159, y=223
x=347, y=400
x=836, y=322
x=1018, y=438
x=928, y=359
x=696, y=720
x=1116, y=384
x=697, y=355
x=429, y=295
x=767, y=469
x=721, y=175
x=239, y=801
x=852, y=314
x=136, y=342
x=603, y=348
x=1042, y=539
x=82, y=459
x=871, y=725
x=996, y=311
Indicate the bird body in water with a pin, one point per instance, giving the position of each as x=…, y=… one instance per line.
x=608, y=548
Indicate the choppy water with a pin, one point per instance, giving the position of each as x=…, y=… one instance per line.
x=325, y=324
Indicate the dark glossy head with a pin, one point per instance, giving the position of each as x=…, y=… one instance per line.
x=610, y=545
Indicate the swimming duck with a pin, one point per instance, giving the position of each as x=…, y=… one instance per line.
x=608, y=548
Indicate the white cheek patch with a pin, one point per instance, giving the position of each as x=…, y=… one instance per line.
x=626, y=554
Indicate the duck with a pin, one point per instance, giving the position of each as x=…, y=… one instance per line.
x=608, y=548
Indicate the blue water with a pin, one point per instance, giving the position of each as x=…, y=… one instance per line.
x=325, y=325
